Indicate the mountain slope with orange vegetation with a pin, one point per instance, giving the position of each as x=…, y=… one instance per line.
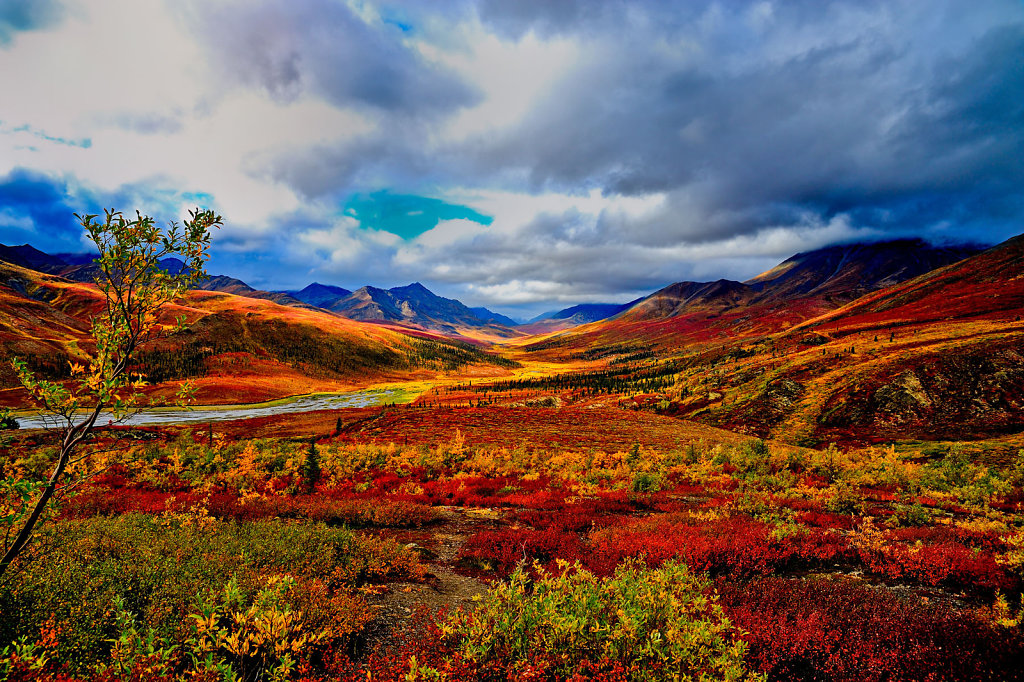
x=800, y=288
x=235, y=348
x=939, y=356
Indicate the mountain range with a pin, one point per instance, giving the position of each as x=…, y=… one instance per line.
x=812, y=282
x=825, y=278
x=850, y=343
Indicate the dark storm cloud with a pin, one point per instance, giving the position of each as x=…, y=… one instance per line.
x=903, y=116
x=39, y=210
x=287, y=47
x=27, y=15
x=392, y=159
x=751, y=130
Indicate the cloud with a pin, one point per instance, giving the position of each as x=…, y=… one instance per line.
x=618, y=146
x=40, y=135
x=325, y=47
x=39, y=209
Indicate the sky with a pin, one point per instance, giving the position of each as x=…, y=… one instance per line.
x=523, y=156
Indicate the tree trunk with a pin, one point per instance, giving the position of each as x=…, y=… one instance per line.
x=72, y=438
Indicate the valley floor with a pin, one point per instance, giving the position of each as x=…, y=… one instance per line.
x=493, y=542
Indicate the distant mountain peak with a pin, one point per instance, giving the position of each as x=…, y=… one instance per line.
x=27, y=256
x=414, y=288
x=591, y=312
x=319, y=295
x=411, y=304
x=491, y=316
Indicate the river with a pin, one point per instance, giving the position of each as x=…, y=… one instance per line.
x=212, y=413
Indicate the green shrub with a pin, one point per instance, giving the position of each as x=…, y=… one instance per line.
x=973, y=484
x=913, y=514
x=160, y=569
x=646, y=482
x=844, y=498
x=656, y=624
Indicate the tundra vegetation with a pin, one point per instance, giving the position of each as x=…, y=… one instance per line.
x=241, y=558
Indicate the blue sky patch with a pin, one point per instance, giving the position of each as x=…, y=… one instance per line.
x=407, y=215
x=83, y=143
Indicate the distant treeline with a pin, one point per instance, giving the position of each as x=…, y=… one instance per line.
x=627, y=352
x=449, y=356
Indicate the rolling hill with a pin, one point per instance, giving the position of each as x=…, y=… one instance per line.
x=855, y=343
x=798, y=289
x=235, y=348
x=79, y=267
x=845, y=272
x=413, y=306
x=940, y=356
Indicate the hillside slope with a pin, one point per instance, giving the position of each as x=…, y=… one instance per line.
x=939, y=356
x=236, y=348
x=845, y=272
x=801, y=288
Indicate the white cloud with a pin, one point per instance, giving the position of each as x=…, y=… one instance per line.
x=448, y=232
x=125, y=75
x=512, y=75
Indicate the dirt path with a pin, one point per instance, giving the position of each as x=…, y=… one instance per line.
x=445, y=589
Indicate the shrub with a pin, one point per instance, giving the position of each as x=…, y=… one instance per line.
x=914, y=514
x=257, y=636
x=738, y=546
x=503, y=550
x=158, y=569
x=844, y=498
x=841, y=629
x=653, y=624
x=646, y=482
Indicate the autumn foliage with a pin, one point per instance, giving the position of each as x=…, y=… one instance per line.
x=224, y=558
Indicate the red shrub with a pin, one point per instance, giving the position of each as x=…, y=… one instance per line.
x=989, y=541
x=102, y=501
x=826, y=520
x=837, y=629
x=502, y=550
x=945, y=563
x=798, y=504
x=579, y=516
x=739, y=546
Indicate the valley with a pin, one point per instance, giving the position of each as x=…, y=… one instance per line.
x=530, y=341
x=834, y=446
